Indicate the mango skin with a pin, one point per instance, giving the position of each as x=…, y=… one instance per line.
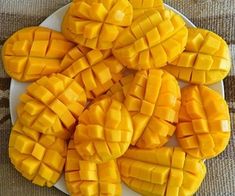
x=33, y=52
x=203, y=130
x=164, y=171
x=206, y=59
x=88, y=178
x=38, y=157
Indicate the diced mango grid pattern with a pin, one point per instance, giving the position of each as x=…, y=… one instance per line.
x=88, y=178
x=104, y=132
x=152, y=40
x=39, y=158
x=154, y=102
x=95, y=70
x=34, y=52
x=206, y=59
x=52, y=105
x=203, y=130
x=162, y=171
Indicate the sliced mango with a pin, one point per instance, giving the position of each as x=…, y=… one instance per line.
x=206, y=59
x=104, y=131
x=162, y=171
x=152, y=40
x=95, y=70
x=204, y=129
x=153, y=101
x=39, y=158
x=33, y=52
x=88, y=178
x=96, y=24
x=52, y=105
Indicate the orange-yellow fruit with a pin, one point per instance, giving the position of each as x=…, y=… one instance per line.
x=104, y=131
x=95, y=70
x=96, y=24
x=38, y=157
x=52, y=105
x=139, y=6
x=152, y=40
x=206, y=59
x=33, y=52
x=163, y=171
x=204, y=129
x=153, y=101
x=88, y=178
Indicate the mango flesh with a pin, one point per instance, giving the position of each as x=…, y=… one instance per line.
x=52, y=105
x=153, y=101
x=39, y=158
x=34, y=52
x=152, y=40
x=204, y=129
x=104, y=131
x=88, y=178
x=95, y=70
x=139, y=7
x=206, y=59
x=162, y=171
x=96, y=24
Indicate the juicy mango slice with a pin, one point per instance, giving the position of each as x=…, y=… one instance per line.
x=95, y=70
x=139, y=6
x=96, y=24
x=52, y=105
x=153, y=101
x=88, y=178
x=104, y=131
x=163, y=171
x=204, y=129
x=152, y=40
x=34, y=52
x=206, y=59
x=39, y=158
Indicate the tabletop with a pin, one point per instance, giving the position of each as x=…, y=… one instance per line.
x=215, y=15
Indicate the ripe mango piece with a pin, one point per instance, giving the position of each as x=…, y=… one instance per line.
x=152, y=40
x=139, y=6
x=33, y=52
x=95, y=70
x=38, y=157
x=96, y=24
x=104, y=131
x=204, y=129
x=162, y=171
x=206, y=59
x=52, y=105
x=153, y=101
x=88, y=178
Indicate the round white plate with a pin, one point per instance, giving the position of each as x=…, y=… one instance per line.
x=17, y=88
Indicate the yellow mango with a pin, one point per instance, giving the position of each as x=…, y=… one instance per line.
x=153, y=100
x=39, y=158
x=206, y=59
x=33, y=52
x=161, y=171
x=104, y=131
x=96, y=24
x=95, y=70
x=203, y=130
x=153, y=39
x=52, y=105
x=88, y=178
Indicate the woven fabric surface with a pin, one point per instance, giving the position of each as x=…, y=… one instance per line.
x=215, y=15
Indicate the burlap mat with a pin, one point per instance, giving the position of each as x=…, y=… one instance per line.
x=216, y=15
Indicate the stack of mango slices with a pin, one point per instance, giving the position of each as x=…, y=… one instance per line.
x=104, y=100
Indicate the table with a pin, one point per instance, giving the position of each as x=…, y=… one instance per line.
x=215, y=15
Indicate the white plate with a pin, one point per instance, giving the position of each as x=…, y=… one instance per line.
x=17, y=88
